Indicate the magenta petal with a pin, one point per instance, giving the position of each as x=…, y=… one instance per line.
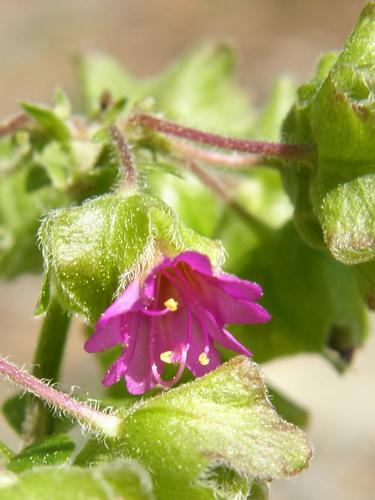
x=139, y=378
x=171, y=335
x=125, y=303
x=116, y=371
x=196, y=348
x=149, y=331
x=237, y=288
x=197, y=261
x=110, y=334
x=223, y=337
x=228, y=309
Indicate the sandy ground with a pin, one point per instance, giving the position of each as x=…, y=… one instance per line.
x=37, y=40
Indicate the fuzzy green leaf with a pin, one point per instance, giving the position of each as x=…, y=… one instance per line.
x=288, y=409
x=48, y=120
x=52, y=450
x=119, y=480
x=343, y=123
x=98, y=73
x=335, y=112
x=199, y=90
x=297, y=178
x=21, y=207
x=268, y=124
x=223, y=419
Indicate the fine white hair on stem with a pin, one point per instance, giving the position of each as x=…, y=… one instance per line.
x=87, y=414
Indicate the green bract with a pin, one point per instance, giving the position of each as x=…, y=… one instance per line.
x=210, y=438
x=336, y=114
x=343, y=125
x=91, y=252
x=334, y=199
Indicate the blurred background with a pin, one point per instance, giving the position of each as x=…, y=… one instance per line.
x=38, y=39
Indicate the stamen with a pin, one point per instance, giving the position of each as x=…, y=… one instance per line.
x=166, y=356
x=171, y=304
x=176, y=378
x=203, y=359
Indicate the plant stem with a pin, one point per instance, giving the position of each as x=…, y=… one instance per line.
x=79, y=411
x=287, y=151
x=215, y=157
x=126, y=159
x=13, y=124
x=217, y=188
x=39, y=421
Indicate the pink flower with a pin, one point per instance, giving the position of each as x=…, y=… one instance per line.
x=176, y=315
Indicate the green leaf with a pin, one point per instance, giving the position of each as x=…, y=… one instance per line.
x=187, y=195
x=313, y=299
x=336, y=113
x=5, y=453
x=260, y=193
x=223, y=419
x=268, y=124
x=199, y=90
x=98, y=73
x=91, y=252
x=57, y=162
x=50, y=122
x=14, y=149
x=20, y=211
x=288, y=409
x=14, y=411
x=119, y=480
x=296, y=129
x=52, y=450
x=62, y=106
x=365, y=274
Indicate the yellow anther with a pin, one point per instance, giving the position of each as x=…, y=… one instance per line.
x=166, y=356
x=203, y=359
x=171, y=304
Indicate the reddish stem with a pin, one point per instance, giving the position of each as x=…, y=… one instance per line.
x=13, y=124
x=129, y=173
x=288, y=151
x=215, y=157
x=82, y=412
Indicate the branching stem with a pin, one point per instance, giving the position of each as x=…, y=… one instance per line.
x=279, y=150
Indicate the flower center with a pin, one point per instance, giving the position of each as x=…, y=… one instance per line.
x=171, y=304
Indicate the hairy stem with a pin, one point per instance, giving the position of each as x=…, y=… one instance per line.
x=217, y=187
x=13, y=124
x=77, y=410
x=39, y=421
x=288, y=151
x=126, y=159
x=233, y=160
